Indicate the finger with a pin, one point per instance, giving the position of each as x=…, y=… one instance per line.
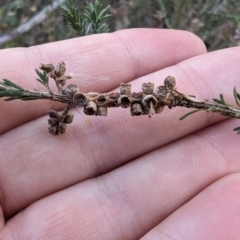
x=212, y=214
x=88, y=150
x=96, y=63
x=128, y=202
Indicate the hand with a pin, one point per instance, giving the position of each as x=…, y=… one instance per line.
x=121, y=177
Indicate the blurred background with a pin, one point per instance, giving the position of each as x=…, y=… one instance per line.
x=31, y=22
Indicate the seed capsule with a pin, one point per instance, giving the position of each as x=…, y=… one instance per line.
x=159, y=109
x=136, y=109
x=101, y=111
x=148, y=100
x=46, y=67
x=53, y=114
x=60, y=69
x=80, y=99
x=71, y=90
x=52, y=121
x=125, y=88
x=52, y=130
x=61, y=128
x=124, y=101
x=170, y=82
x=90, y=108
x=69, y=118
x=148, y=88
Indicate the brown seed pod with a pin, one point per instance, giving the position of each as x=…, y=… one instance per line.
x=101, y=100
x=148, y=88
x=170, y=82
x=71, y=90
x=124, y=101
x=136, y=109
x=69, y=118
x=148, y=100
x=61, y=128
x=114, y=95
x=46, y=67
x=125, y=88
x=52, y=130
x=102, y=111
x=60, y=69
x=53, y=114
x=80, y=99
x=137, y=95
x=90, y=108
x=162, y=92
x=159, y=109
x=52, y=121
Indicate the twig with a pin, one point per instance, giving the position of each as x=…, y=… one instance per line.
x=149, y=101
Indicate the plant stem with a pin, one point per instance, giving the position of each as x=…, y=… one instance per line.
x=149, y=101
x=173, y=99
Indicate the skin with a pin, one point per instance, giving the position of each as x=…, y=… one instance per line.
x=121, y=177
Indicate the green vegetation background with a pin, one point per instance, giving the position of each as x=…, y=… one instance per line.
x=217, y=22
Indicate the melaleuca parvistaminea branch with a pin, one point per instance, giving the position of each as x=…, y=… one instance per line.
x=149, y=101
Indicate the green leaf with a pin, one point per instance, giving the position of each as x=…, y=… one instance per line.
x=27, y=98
x=4, y=93
x=187, y=114
x=102, y=15
x=75, y=19
x=90, y=21
x=237, y=115
x=217, y=100
x=223, y=101
x=2, y=89
x=43, y=77
x=9, y=83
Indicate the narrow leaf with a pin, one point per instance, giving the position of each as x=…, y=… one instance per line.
x=223, y=101
x=39, y=80
x=236, y=129
x=236, y=96
x=29, y=98
x=39, y=73
x=12, y=84
x=5, y=93
x=217, y=101
x=43, y=77
x=187, y=114
x=2, y=89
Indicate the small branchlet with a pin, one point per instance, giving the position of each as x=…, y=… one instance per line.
x=55, y=72
x=91, y=21
x=149, y=101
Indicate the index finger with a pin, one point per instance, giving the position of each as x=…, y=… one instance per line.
x=97, y=63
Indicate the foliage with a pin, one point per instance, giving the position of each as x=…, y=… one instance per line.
x=13, y=91
x=217, y=104
x=43, y=77
x=148, y=102
x=90, y=22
